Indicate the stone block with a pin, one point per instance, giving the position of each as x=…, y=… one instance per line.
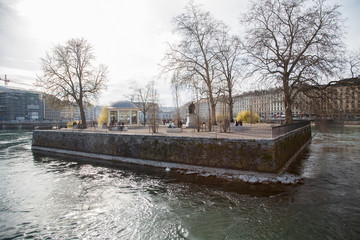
x=173, y=130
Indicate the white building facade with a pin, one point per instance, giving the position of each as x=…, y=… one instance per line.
x=266, y=103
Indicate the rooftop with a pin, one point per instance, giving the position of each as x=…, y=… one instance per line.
x=124, y=105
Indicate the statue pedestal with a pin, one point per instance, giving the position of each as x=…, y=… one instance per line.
x=190, y=120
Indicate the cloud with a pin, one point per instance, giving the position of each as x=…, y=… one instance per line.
x=128, y=36
x=15, y=49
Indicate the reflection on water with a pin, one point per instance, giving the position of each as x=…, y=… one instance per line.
x=49, y=196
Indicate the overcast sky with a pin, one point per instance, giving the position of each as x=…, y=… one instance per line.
x=129, y=36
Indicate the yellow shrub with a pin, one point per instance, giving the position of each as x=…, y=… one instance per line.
x=104, y=116
x=246, y=117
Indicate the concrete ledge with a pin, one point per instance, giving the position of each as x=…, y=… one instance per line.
x=118, y=128
x=174, y=130
x=237, y=128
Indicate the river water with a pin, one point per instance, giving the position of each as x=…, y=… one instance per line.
x=58, y=197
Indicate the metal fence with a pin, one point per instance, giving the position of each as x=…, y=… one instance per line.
x=246, y=131
x=260, y=130
x=280, y=130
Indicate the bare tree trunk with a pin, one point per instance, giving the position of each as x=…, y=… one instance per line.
x=288, y=112
x=213, y=113
x=213, y=106
x=82, y=114
x=144, y=113
x=231, y=104
x=287, y=99
x=231, y=111
x=209, y=116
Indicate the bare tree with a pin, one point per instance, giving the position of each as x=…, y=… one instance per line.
x=176, y=87
x=294, y=43
x=69, y=74
x=55, y=103
x=195, y=55
x=200, y=93
x=141, y=96
x=229, y=50
x=154, y=108
x=354, y=63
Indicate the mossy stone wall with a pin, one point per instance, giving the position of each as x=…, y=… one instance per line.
x=241, y=154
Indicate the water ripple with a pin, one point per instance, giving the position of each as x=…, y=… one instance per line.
x=62, y=197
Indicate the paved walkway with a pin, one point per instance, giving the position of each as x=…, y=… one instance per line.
x=255, y=131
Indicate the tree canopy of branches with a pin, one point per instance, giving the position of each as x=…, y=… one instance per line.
x=70, y=76
x=142, y=97
x=295, y=43
x=354, y=63
x=194, y=58
x=229, y=51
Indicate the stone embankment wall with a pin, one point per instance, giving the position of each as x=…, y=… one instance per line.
x=240, y=154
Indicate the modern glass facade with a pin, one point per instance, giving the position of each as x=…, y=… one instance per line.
x=20, y=105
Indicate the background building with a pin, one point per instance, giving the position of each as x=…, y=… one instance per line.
x=123, y=111
x=340, y=100
x=168, y=113
x=20, y=105
x=24, y=105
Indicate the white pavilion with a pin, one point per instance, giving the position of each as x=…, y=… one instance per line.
x=123, y=112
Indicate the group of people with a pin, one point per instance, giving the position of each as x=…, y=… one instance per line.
x=119, y=125
x=115, y=123
x=92, y=123
x=236, y=123
x=172, y=124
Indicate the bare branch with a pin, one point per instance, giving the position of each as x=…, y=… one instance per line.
x=195, y=57
x=69, y=75
x=294, y=43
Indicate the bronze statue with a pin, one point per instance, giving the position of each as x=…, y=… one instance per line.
x=192, y=108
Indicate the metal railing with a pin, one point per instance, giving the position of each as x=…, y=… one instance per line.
x=280, y=130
